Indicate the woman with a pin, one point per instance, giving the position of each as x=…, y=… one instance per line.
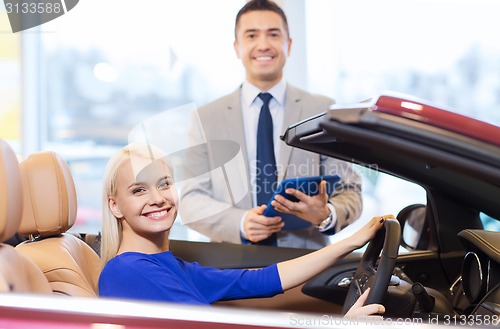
x=141, y=206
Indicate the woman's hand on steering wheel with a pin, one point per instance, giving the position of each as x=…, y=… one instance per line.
x=358, y=310
x=374, y=273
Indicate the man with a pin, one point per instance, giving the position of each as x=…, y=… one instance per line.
x=262, y=42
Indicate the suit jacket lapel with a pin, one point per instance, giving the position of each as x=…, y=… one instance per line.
x=236, y=131
x=234, y=120
x=293, y=111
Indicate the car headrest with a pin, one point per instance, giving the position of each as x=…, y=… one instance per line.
x=11, y=196
x=49, y=195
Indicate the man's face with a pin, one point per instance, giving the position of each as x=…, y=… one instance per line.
x=263, y=45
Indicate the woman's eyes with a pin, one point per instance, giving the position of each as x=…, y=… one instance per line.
x=165, y=184
x=162, y=185
x=138, y=190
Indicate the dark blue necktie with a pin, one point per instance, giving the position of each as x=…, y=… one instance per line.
x=266, y=162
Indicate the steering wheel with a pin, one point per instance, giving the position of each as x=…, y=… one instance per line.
x=368, y=275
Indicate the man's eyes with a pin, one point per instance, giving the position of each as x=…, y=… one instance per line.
x=274, y=35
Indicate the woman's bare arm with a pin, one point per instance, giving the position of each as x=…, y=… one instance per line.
x=297, y=271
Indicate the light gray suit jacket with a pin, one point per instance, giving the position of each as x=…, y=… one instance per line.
x=211, y=203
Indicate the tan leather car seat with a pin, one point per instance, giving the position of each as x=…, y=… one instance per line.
x=71, y=266
x=17, y=272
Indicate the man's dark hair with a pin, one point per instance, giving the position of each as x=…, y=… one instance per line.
x=262, y=5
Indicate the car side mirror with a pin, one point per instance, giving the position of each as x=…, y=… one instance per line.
x=412, y=220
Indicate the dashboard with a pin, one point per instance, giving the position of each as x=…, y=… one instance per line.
x=480, y=279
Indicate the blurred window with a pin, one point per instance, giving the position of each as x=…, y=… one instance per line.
x=10, y=83
x=490, y=223
x=445, y=51
x=110, y=65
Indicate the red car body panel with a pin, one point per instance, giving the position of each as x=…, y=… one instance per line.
x=420, y=111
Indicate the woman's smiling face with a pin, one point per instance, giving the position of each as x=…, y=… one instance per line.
x=147, y=202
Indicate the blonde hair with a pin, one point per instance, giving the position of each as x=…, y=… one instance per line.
x=112, y=226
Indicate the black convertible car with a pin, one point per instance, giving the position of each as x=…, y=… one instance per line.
x=437, y=265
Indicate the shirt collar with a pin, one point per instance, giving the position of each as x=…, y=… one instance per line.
x=249, y=92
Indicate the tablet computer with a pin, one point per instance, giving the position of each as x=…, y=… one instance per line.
x=307, y=185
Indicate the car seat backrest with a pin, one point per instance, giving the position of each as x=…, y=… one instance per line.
x=17, y=272
x=50, y=205
x=10, y=193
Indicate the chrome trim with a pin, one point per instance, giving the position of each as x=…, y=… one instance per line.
x=457, y=281
x=488, y=276
x=345, y=281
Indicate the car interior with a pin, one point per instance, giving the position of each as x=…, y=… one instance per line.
x=71, y=265
x=18, y=273
x=450, y=267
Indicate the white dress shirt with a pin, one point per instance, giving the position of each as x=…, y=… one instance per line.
x=250, y=106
